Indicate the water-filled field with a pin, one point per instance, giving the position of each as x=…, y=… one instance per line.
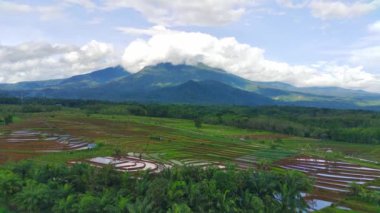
x=20, y=144
x=331, y=175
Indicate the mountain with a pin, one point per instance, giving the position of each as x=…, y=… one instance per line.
x=207, y=92
x=80, y=81
x=166, y=74
x=200, y=84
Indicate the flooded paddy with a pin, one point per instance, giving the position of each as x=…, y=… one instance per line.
x=335, y=176
x=20, y=144
x=125, y=164
x=332, y=178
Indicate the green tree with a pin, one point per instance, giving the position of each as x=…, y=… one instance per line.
x=180, y=208
x=10, y=184
x=140, y=206
x=89, y=204
x=35, y=197
x=198, y=123
x=68, y=204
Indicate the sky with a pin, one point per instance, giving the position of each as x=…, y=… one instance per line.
x=301, y=42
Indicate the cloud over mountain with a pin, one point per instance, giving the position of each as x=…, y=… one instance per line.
x=244, y=60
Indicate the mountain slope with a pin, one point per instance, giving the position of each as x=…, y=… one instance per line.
x=98, y=77
x=207, y=92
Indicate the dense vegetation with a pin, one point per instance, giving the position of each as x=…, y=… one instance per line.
x=353, y=126
x=28, y=187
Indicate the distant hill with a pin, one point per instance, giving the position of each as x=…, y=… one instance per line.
x=168, y=83
x=86, y=80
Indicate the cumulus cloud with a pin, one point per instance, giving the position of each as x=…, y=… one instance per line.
x=179, y=47
x=179, y=12
x=38, y=61
x=332, y=9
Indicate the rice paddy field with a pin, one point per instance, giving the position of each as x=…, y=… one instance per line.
x=147, y=143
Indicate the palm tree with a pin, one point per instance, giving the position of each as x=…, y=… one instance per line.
x=140, y=206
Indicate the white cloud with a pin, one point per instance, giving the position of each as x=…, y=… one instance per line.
x=333, y=9
x=45, y=12
x=240, y=59
x=179, y=12
x=38, y=61
x=374, y=27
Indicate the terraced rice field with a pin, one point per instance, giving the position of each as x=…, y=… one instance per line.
x=125, y=164
x=332, y=179
x=134, y=162
x=334, y=176
x=21, y=144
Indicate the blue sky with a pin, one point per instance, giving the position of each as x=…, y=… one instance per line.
x=302, y=42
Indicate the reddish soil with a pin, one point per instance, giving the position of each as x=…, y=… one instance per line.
x=14, y=156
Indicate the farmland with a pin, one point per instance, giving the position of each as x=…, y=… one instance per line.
x=62, y=137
